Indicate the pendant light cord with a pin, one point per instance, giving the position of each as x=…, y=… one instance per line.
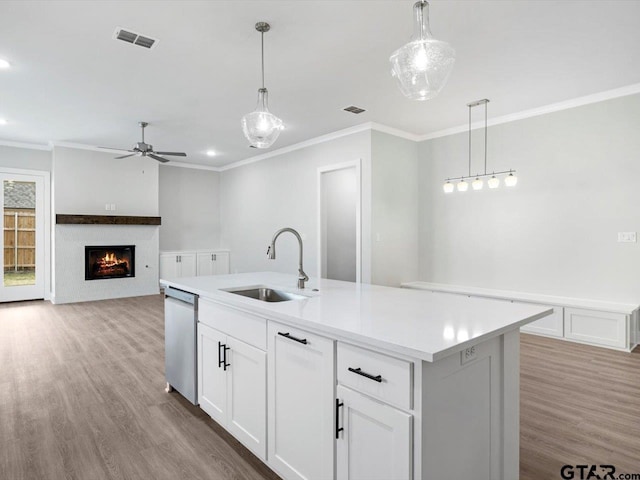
x=469, y=140
x=485, y=138
x=262, y=48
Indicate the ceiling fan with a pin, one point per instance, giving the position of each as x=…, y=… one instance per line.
x=142, y=149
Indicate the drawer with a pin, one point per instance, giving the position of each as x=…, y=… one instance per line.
x=599, y=328
x=551, y=325
x=243, y=326
x=395, y=375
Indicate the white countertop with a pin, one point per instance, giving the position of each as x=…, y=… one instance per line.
x=428, y=327
x=589, y=304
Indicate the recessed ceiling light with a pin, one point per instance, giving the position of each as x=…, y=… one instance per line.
x=3, y=121
x=211, y=153
x=4, y=63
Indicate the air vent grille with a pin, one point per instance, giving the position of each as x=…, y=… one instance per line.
x=354, y=109
x=134, y=38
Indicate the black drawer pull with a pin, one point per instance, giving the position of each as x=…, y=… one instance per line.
x=338, y=427
x=222, y=356
x=375, y=378
x=299, y=340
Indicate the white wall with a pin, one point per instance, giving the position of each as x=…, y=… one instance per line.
x=555, y=232
x=394, y=226
x=25, y=158
x=259, y=198
x=190, y=208
x=86, y=180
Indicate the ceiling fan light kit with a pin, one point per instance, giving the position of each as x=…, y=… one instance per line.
x=261, y=127
x=477, y=184
x=422, y=66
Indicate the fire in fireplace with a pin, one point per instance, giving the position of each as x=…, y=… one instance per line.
x=111, y=261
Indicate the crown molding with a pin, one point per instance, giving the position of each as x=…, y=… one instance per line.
x=297, y=146
x=396, y=132
x=194, y=166
x=30, y=146
x=534, y=112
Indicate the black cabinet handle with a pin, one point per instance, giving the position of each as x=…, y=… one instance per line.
x=375, y=378
x=222, y=355
x=338, y=427
x=299, y=340
x=221, y=360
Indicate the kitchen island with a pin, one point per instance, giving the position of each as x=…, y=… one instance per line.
x=357, y=381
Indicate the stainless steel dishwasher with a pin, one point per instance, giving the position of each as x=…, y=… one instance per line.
x=180, y=352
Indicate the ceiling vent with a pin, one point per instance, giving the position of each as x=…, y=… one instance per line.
x=134, y=38
x=354, y=109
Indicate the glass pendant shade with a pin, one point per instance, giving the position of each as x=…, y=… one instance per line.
x=510, y=180
x=477, y=184
x=261, y=127
x=493, y=182
x=422, y=66
x=448, y=187
x=463, y=186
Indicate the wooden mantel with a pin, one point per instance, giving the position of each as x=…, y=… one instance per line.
x=62, y=219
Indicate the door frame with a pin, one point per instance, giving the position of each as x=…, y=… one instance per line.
x=47, y=227
x=357, y=164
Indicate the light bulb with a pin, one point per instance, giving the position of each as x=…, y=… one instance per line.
x=510, y=180
x=493, y=182
x=477, y=184
x=462, y=186
x=422, y=66
x=261, y=127
x=448, y=187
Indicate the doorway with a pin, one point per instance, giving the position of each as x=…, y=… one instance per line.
x=339, y=229
x=22, y=253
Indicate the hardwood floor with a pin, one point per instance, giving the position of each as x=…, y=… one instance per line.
x=82, y=397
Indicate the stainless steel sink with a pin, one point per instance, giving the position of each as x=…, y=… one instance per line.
x=266, y=294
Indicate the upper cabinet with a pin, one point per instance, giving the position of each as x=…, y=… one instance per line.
x=213, y=263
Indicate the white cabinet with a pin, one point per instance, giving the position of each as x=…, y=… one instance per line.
x=177, y=264
x=213, y=263
x=552, y=325
x=301, y=403
x=600, y=328
x=232, y=386
x=375, y=440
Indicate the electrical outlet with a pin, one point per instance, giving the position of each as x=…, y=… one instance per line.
x=107, y=206
x=627, y=237
x=467, y=355
x=113, y=206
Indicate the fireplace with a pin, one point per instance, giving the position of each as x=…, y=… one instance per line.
x=110, y=261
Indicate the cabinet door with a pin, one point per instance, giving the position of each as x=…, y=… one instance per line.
x=301, y=403
x=221, y=263
x=247, y=396
x=168, y=265
x=205, y=264
x=187, y=264
x=375, y=443
x=212, y=378
x=551, y=325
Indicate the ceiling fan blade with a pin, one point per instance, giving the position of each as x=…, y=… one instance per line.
x=156, y=157
x=176, y=154
x=125, y=156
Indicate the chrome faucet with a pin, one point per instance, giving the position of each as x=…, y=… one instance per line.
x=271, y=253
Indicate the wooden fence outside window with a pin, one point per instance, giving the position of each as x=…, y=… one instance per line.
x=19, y=239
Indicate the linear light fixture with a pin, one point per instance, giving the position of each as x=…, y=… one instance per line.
x=494, y=182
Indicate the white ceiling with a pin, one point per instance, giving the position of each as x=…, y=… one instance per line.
x=72, y=82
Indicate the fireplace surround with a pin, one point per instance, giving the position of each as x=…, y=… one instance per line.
x=109, y=261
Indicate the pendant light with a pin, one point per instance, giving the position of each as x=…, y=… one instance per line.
x=422, y=66
x=477, y=184
x=261, y=127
